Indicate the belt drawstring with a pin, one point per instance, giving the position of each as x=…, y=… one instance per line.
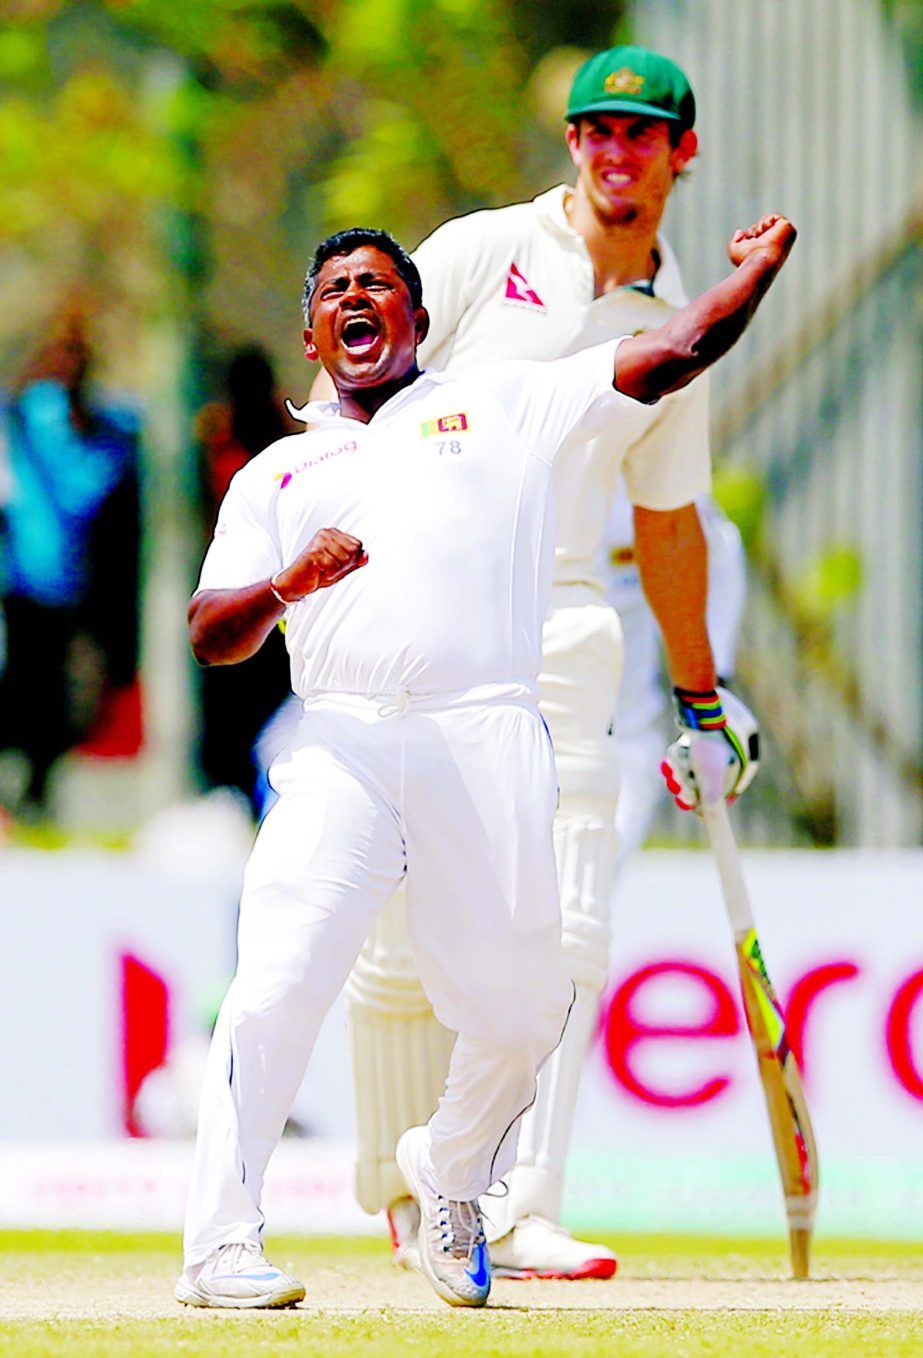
x=395, y=704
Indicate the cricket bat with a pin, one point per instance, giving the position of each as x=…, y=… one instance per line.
x=792, y=1133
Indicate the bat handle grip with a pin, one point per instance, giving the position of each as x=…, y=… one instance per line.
x=724, y=846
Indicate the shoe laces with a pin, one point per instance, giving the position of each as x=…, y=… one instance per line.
x=460, y=1226
x=238, y=1256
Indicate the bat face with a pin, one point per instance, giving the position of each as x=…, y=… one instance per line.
x=792, y=1133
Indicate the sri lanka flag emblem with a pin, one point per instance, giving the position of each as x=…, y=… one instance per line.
x=448, y=424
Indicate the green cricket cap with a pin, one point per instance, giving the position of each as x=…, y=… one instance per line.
x=632, y=80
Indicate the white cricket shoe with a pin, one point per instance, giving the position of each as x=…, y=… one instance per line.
x=238, y=1276
x=538, y=1248
x=404, y=1225
x=453, y=1251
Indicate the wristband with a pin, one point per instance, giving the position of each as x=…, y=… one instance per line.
x=699, y=711
x=286, y=603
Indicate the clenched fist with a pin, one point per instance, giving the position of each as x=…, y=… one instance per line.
x=774, y=235
x=329, y=556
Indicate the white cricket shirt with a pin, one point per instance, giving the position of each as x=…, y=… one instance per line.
x=519, y=281
x=448, y=489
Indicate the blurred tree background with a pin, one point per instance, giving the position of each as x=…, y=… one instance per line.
x=161, y=158
x=173, y=166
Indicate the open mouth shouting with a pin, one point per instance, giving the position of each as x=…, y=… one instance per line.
x=359, y=335
x=364, y=327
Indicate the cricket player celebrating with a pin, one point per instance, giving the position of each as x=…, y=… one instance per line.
x=540, y=280
x=405, y=539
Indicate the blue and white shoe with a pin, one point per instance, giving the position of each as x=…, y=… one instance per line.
x=238, y=1276
x=453, y=1251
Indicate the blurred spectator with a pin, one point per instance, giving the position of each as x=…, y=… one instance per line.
x=6, y=489
x=69, y=557
x=238, y=699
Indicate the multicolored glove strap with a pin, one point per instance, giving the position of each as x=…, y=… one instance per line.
x=699, y=711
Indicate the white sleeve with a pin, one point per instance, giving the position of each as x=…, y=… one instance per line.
x=244, y=549
x=669, y=465
x=549, y=403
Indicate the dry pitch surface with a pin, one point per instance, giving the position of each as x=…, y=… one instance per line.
x=72, y=1293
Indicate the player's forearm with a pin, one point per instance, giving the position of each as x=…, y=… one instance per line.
x=659, y=361
x=672, y=558
x=229, y=625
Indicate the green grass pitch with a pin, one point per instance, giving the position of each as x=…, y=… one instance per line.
x=81, y=1294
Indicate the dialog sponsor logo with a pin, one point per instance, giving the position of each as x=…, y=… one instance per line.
x=284, y=478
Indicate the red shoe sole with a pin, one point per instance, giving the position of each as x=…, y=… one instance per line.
x=593, y=1268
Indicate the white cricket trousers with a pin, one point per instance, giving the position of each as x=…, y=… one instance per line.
x=461, y=793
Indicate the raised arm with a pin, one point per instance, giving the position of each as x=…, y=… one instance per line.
x=659, y=361
x=230, y=625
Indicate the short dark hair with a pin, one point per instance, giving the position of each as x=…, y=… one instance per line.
x=344, y=243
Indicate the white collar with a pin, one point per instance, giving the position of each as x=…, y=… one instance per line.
x=328, y=412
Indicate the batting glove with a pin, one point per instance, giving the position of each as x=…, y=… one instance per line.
x=717, y=754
